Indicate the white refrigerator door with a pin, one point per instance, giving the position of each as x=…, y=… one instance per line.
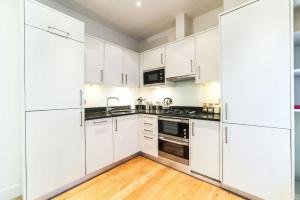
x=55, y=150
x=54, y=71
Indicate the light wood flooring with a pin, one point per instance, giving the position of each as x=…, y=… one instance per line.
x=141, y=178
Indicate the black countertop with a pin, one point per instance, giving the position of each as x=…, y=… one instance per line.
x=103, y=114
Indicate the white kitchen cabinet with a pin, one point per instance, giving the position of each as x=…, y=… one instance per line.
x=54, y=71
x=205, y=148
x=149, y=144
x=55, y=150
x=257, y=160
x=208, y=56
x=94, y=60
x=126, y=136
x=114, y=64
x=131, y=68
x=154, y=58
x=180, y=60
x=99, y=144
x=48, y=19
x=256, y=64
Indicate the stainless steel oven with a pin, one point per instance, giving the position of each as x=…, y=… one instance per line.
x=173, y=139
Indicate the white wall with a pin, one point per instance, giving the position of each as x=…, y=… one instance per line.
x=95, y=95
x=185, y=93
x=207, y=20
x=198, y=24
x=95, y=28
x=229, y=4
x=10, y=135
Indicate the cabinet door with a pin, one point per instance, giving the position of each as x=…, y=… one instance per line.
x=45, y=18
x=113, y=65
x=180, y=58
x=149, y=144
x=154, y=58
x=257, y=160
x=54, y=71
x=99, y=144
x=94, y=60
x=208, y=57
x=131, y=68
x=126, y=136
x=205, y=148
x=256, y=64
x=55, y=150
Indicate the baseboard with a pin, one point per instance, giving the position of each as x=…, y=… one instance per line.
x=11, y=192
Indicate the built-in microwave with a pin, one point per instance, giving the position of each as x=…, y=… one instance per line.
x=154, y=77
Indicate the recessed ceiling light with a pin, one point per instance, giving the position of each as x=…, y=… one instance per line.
x=138, y=4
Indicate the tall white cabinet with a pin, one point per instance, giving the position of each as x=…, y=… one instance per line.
x=256, y=99
x=54, y=77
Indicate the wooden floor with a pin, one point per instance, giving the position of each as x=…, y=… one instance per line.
x=143, y=179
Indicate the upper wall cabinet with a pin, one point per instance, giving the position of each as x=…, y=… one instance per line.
x=180, y=60
x=154, y=59
x=208, y=56
x=94, y=60
x=44, y=18
x=113, y=65
x=131, y=68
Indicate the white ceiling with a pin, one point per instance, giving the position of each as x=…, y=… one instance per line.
x=152, y=17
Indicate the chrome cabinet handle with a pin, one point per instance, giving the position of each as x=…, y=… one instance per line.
x=81, y=97
x=161, y=58
x=148, y=130
x=199, y=73
x=99, y=122
x=151, y=138
x=226, y=111
x=148, y=117
x=122, y=78
x=226, y=135
x=193, y=134
x=81, y=119
x=64, y=34
x=191, y=65
x=126, y=78
x=101, y=75
x=148, y=123
x=116, y=125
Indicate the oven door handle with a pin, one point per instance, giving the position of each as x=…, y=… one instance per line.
x=185, y=121
x=174, y=142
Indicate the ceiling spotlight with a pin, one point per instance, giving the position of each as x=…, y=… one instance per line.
x=138, y=4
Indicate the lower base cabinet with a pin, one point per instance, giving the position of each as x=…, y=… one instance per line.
x=99, y=144
x=126, y=136
x=257, y=161
x=149, y=144
x=205, y=148
x=55, y=148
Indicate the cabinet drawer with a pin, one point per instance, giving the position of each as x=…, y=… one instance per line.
x=50, y=20
x=149, y=121
x=150, y=145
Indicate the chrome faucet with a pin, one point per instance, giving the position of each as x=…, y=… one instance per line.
x=107, y=101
